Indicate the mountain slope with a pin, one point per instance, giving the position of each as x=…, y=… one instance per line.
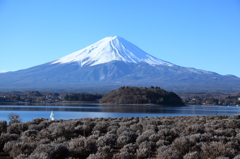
x=110, y=63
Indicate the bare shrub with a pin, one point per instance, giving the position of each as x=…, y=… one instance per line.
x=44, y=134
x=136, y=119
x=41, y=155
x=125, y=119
x=182, y=144
x=105, y=141
x=9, y=146
x=238, y=136
x=50, y=151
x=192, y=155
x=30, y=133
x=168, y=134
x=112, y=129
x=84, y=130
x=130, y=134
x=3, y=127
x=45, y=123
x=234, y=117
x=237, y=157
x=150, y=127
x=137, y=127
x=164, y=127
x=198, y=138
x=102, y=127
x=56, y=130
x=95, y=135
x=17, y=128
x=38, y=120
x=143, y=153
x=231, y=152
x=234, y=124
x=104, y=151
x=63, y=129
x=141, y=139
x=21, y=156
x=167, y=122
x=60, y=140
x=16, y=148
x=216, y=149
x=154, y=137
x=201, y=137
x=167, y=152
x=154, y=121
x=194, y=129
x=149, y=132
x=35, y=127
x=130, y=148
x=81, y=147
x=148, y=145
x=114, y=122
x=181, y=126
x=14, y=118
x=229, y=132
x=95, y=156
x=44, y=141
x=160, y=143
x=123, y=140
x=123, y=155
x=89, y=121
x=234, y=144
x=112, y=136
x=121, y=129
x=5, y=137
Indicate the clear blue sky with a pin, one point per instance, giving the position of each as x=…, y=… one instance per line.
x=201, y=34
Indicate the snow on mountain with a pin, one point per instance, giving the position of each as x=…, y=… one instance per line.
x=3, y=71
x=110, y=49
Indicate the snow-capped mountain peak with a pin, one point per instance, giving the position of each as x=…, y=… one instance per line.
x=111, y=49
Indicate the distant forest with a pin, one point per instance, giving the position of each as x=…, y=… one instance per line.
x=83, y=97
x=141, y=95
x=189, y=98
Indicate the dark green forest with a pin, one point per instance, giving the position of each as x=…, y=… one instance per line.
x=141, y=95
x=82, y=97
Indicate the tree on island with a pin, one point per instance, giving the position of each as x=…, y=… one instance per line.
x=141, y=95
x=83, y=97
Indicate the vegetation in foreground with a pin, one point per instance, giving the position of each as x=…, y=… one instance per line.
x=141, y=95
x=186, y=137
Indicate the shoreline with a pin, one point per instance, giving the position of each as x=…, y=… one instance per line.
x=79, y=103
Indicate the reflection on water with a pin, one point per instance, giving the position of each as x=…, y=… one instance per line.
x=30, y=112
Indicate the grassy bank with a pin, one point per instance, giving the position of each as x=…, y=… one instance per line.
x=186, y=137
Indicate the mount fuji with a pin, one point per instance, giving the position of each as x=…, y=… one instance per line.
x=110, y=49
x=110, y=63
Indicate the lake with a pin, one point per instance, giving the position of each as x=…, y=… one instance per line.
x=29, y=112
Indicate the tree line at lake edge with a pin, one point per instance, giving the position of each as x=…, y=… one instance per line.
x=189, y=98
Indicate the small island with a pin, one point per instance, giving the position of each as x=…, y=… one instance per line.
x=141, y=95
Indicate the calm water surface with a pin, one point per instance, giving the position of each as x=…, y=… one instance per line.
x=27, y=113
